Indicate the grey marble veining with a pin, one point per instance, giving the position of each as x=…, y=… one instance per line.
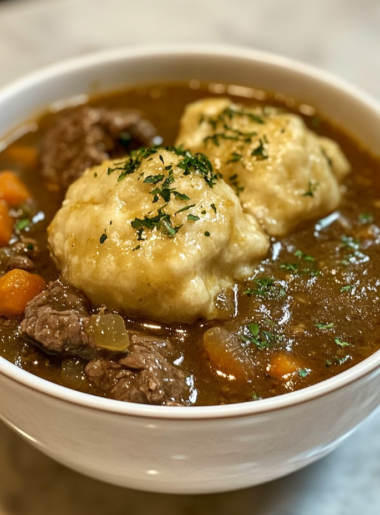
x=341, y=36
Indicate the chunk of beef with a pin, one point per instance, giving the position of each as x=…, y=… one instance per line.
x=86, y=136
x=144, y=375
x=19, y=254
x=57, y=319
x=22, y=262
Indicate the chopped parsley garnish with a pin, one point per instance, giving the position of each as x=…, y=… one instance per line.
x=137, y=248
x=290, y=267
x=329, y=325
x=229, y=134
x=234, y=157
x=235, y=184
x=207, y=234
x=186, y=208
x=154, y=179
x=260, y=151
x=193, y=218
x=297, y=269
x=365, y=218
x=348, y=242
x=341, y=343
x=303, y=256
x=252, y=333
x=311, y=189
x=348, y=287
x=30, y=246
x=335, y=360
x=213, y=207
x=255, y=397
x=161, y=222
x=227, y=114
x=22, y=224
x=266, y=287
x=103, y=238
x=95, y=174
x=133, y=163
x=303, y=372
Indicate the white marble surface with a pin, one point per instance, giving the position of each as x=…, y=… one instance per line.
x=341, y=36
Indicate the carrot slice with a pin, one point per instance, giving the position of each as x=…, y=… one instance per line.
x=23, y=154
x=283, y=365
x=12, y=190
x=6, y=225
x=17, y=288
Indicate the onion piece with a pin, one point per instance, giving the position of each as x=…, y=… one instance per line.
x=109, y=332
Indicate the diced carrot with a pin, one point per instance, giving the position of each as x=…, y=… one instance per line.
x=12, y=190
x=23, y=154
x=6, y=225
x=226, y=353
x=17, y=288
x=283, y=365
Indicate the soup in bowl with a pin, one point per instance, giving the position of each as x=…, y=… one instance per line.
x=189, y=265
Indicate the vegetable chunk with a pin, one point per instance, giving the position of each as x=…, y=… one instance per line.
x=17, y=288
x=12, y=190
x=6, y=225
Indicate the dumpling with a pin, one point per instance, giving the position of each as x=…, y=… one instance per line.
x=156, y=235
x=283, y=173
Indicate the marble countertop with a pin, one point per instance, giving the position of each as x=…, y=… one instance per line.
x=341, y=36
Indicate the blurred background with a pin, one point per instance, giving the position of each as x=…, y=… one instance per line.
x=340, y=36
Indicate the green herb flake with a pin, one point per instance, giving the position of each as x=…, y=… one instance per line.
x=234, y=157
x=341, y=343
x=348, y=287
x=335, y=360
x=266, y=287
x=255, y=397
x=30, y=246
x=323, y=327
x=103, y=238
x=154, y=179
x=311, y=189
x=186, y=208
x=303, y=372
x=234, y=182
x=193, y=218
x=365, y=218
x=213, y=207
x=137, y=248
x=161, y=222
x=304, y=256
x=207, y=234
x=260, y=151
x=260, y=337
x=348, y=242
x=95, y=174
x=290, y=267
x=22, y=224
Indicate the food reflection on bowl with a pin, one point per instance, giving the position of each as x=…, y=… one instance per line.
x=208, y=271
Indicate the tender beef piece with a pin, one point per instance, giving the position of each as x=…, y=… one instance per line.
x=144, y=375
x=56, y=320
x=19, y=255
x=22, y=262
x=86, y=136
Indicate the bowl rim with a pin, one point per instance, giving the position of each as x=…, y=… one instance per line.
x=67, y=395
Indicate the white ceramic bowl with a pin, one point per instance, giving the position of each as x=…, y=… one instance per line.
x=199, y=449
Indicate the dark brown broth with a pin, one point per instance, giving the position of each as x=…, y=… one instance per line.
x=308, y=299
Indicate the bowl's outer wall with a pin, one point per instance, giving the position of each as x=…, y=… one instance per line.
x=182, y=456
x=188, y=455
